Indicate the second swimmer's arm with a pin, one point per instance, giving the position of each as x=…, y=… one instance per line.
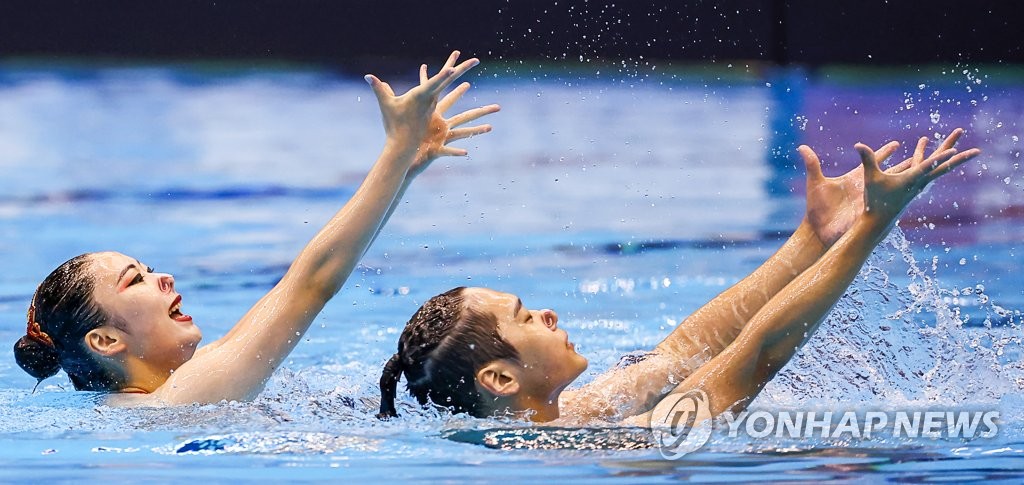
x=708, y=331
x=625, y=391
x=714, y=326
x=773, y=336
x=831, y=207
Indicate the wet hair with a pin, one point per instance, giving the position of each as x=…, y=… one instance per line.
x=442, y=347
x=60, y=314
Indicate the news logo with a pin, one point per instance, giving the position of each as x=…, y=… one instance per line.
x=682, y=423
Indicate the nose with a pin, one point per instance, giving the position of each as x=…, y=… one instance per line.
x=550, y=318
x=166, y=282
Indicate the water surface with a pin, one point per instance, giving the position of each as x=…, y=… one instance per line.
x=623, y=204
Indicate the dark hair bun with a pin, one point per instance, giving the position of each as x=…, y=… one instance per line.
x=40, y=361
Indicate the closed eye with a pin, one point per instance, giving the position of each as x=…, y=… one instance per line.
x=136, y=280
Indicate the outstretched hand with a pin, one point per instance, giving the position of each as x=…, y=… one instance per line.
x=414, y=120
x=887, y=193
x=835, y=203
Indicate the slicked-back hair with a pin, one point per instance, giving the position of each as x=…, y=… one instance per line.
x=441, y=349
x=64, y=310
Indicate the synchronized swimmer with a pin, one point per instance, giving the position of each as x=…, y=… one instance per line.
x=116, y=326
x=483, y=352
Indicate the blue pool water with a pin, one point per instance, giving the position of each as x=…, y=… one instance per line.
x=621, y=202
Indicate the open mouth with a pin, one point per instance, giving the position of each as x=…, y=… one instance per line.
x=175, y=311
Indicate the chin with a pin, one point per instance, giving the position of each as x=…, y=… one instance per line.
x=583, y=364
x=196, y=336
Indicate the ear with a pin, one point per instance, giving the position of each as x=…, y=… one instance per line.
x=498, y=378
x=106, y=341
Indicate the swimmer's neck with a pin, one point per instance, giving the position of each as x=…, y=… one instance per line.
x=142, y=377
x=543, y=412
x=538, y=410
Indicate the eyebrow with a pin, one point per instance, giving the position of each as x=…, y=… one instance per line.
x=519, y=306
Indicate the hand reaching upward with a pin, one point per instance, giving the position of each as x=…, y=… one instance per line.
x=835, y=203
x=887, y=193
x=414, y=120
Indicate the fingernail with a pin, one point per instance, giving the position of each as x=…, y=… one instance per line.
x=369, y=79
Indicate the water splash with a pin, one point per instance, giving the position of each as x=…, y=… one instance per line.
x=890, y=347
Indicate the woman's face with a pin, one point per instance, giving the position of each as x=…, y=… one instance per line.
x=144, y=305
x=549, y=360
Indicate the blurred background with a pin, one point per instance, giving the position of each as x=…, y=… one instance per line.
x=350, y=34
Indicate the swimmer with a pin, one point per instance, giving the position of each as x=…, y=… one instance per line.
x=483, y=352
x=115, y=325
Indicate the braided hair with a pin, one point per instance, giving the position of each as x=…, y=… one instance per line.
x=60, y=315
x=442, y=347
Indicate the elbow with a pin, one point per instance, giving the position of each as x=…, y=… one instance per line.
x=774, y=355
x=320, y=291
x=310, y=287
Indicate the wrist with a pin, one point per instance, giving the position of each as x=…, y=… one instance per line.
x=811, y=241
x=400, y=149
x=873, y=226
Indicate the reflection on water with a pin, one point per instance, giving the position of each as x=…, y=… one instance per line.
x=622, y=205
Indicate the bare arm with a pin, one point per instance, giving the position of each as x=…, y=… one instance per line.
x=832, y=203
x=632, y=389
x=441, y=132
x=775, y=333
x=832, y=206
x=237, y=366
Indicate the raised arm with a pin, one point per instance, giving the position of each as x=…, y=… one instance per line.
x=775, y=333
x=237, y=366
x=831, y=204
x=628, y=390
x=441, y=131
